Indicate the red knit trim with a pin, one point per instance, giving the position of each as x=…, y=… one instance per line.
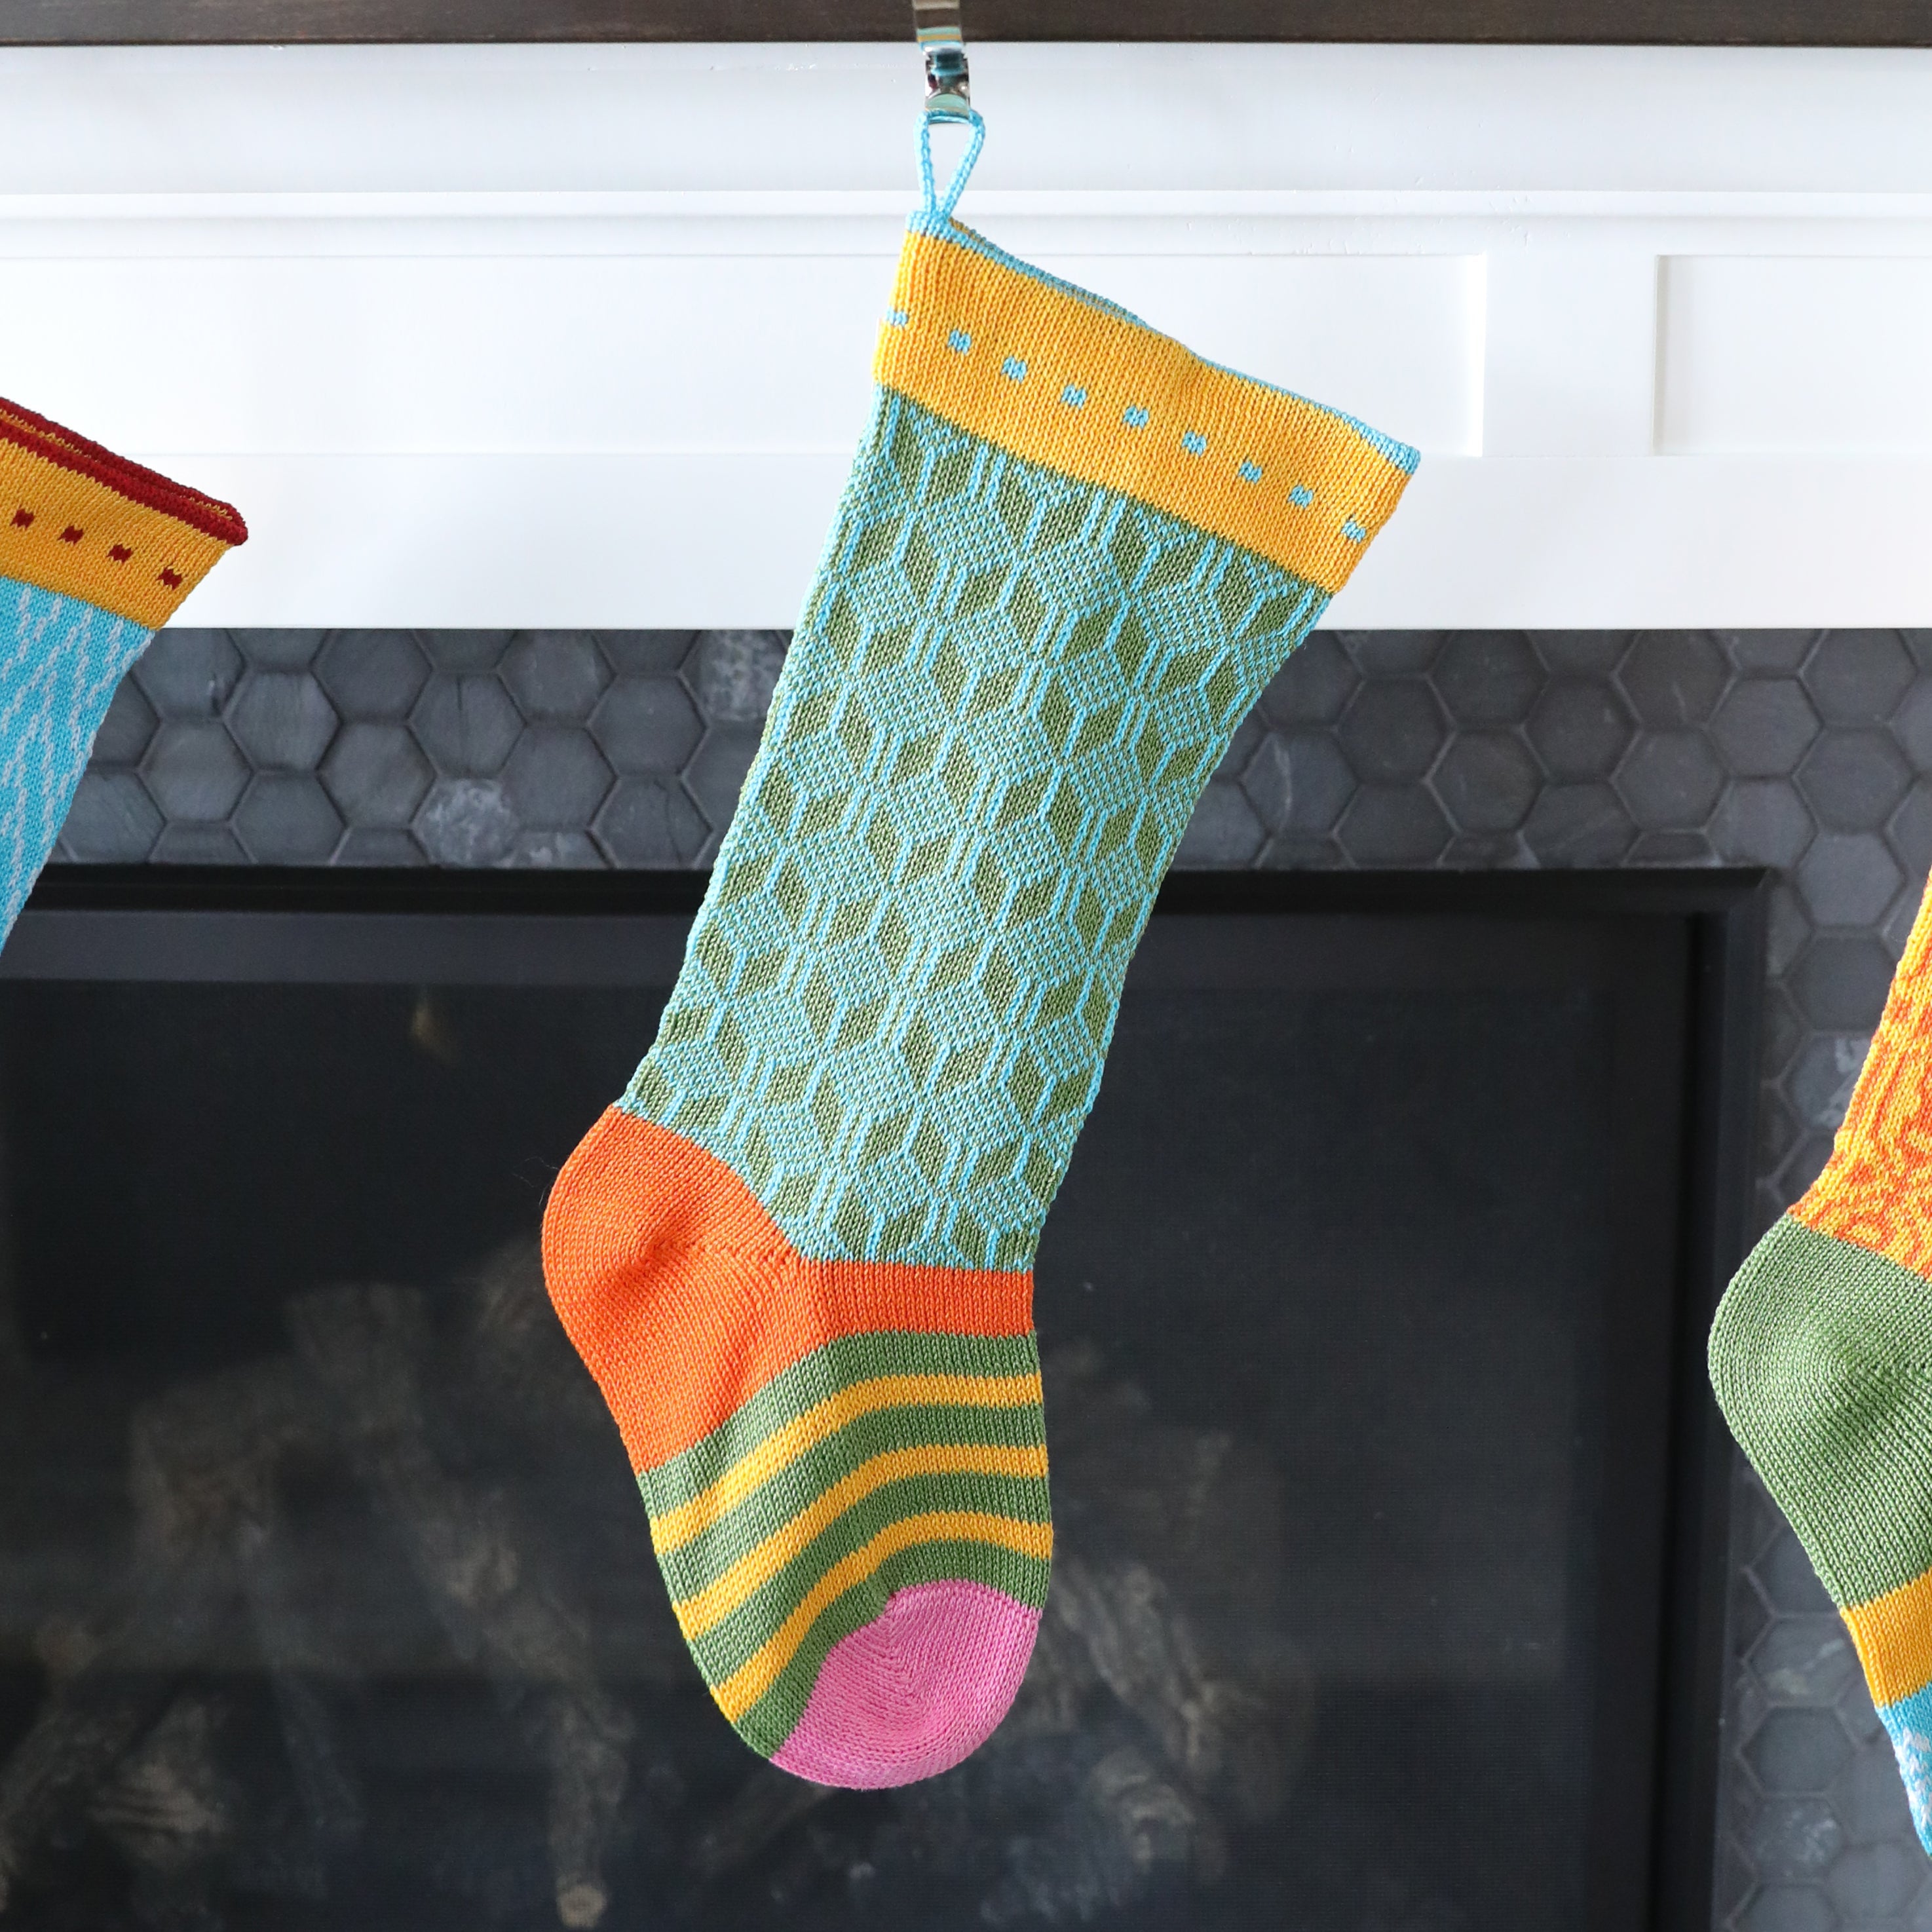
x=208, y=514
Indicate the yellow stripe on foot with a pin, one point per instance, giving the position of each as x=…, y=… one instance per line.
x=747, y=1684
x=709, y=1607
x=785, y=1446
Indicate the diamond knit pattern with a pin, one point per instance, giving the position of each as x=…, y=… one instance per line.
x=1000, y=708
x=60, y=661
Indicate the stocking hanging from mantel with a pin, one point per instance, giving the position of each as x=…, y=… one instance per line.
x=796, y=1254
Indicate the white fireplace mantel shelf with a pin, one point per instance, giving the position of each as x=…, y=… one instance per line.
x=580, y=336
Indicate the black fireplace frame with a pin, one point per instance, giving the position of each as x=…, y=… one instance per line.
x=61, y=935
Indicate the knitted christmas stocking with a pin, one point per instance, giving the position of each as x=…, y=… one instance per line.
x=795, y=1255
x=1822, y=1359
x=96, y=553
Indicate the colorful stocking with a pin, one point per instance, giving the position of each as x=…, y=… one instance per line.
x=796, y=1254
x=96, y=553
x=1821, y=1358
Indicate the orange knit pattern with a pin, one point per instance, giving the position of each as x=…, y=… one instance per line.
x=684, y=1298
x=1877, y=1188
x=80, y=521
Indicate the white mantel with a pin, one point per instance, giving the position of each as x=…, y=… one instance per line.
x=580, y=336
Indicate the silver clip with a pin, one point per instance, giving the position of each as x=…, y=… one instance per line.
x=948, y=95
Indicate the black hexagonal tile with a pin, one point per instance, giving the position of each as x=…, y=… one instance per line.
x=1223, y=830
x=733, y=672
x=1670, y=781
x=112, y=821
x=282, y=719
x=1577, y=825
x=1394, y=825
x=1781, y=1908
x=466, y=822
x=1488, y=677
x=1790, y=1840
x=465, y=653
x=372, y=675
x=557, y=777
x=1250, y=734
x=716, y=773
x=1266, y=779
x=1869, y=1798
x=1857, y=677
x=1912, y=723
x=185, y=843
x=1580, y=730
x=1488, y=781
x=467, y=725
x=1910, y=829
x=1485, y=852
x=1767, y=653
x=1303, y=852
x=1671, y=848
x=189, y=673
x=647, y=725
x=1804, y=1659
x=1869, y=1883
x=650, y=653
x=650, y=822
x=1761, y=822
x=286, y=819
x=1840, y=981
x=1849, y=878
x=557, y=676
x=376, y=774
x=1314, y=686
x=558, y=851
x=379, y=845
x=1853, y=780
x=1895, y=929
x=1673, y=678
x=1392, y=730
x=279, y=650
x=1797, y=1750
x=1298, y=782
x=1590, y=655
x=1821, y=1080
x=1379, y=654
x=194, y=771
x=1764, y=724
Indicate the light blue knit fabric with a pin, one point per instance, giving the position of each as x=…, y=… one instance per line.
x=60, y=660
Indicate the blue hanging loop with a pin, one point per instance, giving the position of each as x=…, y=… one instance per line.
x=936, y=204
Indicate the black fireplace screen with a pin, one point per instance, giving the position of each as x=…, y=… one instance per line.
x=326, y=1596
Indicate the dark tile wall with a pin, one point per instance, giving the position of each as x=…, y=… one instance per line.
x=1809, y=752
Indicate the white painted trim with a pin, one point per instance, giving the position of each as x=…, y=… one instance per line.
x=579, y=335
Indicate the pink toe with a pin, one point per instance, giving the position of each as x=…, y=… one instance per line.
x=915, y=1690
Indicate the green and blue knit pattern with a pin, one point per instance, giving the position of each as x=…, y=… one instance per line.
x=1003, y=702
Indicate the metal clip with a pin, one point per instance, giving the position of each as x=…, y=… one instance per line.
x=942, y=39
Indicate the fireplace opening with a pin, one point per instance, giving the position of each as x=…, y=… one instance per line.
x=1386, y=1594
